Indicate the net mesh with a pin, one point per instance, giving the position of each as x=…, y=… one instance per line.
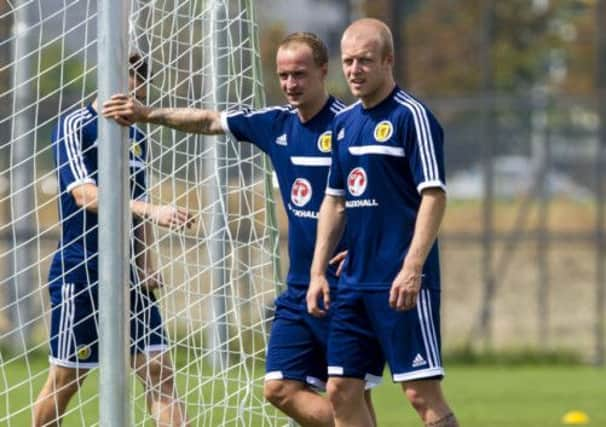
x=220, y=276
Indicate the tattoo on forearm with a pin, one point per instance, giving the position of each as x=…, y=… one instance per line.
x=181, y=119
x=448, y=421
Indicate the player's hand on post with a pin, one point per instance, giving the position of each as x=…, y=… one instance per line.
x=338, y=258
x=170, y=216
x=405, y=289
x=318, y=288
x=125, y=109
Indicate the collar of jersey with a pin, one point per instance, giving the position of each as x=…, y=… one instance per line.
x=383, y=102
x=330, y=100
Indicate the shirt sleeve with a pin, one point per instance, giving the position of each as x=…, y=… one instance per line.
x=251, y=126
x=335, y=185
x=67, y=141
x=424, y=147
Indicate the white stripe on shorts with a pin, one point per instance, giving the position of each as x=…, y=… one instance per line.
x=432, y=325
x=428, y=340
x=273, y=375
x=61, y=326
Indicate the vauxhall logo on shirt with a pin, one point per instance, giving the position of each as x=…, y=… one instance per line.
x=357, y=181
x=300, y=195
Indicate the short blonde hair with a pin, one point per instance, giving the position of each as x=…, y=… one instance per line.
x=319, y=50
x=378, y=29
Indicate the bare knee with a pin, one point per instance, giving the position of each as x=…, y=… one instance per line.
x=61, y=384
x=417, y=399
x=157, y=374
x=427, y=399
x=278, y=392
x=343, y=392
x=66, y=381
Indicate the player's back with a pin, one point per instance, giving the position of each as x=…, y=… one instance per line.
x=74, y=147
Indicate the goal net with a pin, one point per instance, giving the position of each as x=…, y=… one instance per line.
x=220, y=276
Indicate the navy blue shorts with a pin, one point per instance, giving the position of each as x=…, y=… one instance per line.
x=365, y=330
x=74, y=340
x=297, y=344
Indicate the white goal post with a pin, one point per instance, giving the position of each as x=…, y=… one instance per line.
x=221, y=276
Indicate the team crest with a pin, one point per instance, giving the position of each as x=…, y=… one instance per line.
x=325, y=142
x=357, y=181
x=83, y=352
x=300, y=193
x=383, y=131
x=136, y=149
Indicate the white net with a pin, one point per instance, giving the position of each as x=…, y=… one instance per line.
x=220, y=275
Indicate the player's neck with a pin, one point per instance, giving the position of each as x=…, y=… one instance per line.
x=375, y=98
x=307, y=112
x=94, y=104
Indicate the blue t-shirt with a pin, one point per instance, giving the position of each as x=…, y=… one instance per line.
x=383, y=157
x=300, y=154
x=74, y=145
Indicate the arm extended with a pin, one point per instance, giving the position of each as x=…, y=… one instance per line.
x=127, y=110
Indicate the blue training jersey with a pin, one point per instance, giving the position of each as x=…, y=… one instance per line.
x=300, y=154
x=383, y=157
x=74, y=146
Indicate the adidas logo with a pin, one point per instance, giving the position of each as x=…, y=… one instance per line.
x=418, y=361
x=341, y=134
x=281, y=140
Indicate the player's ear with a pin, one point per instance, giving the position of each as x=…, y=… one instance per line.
x=388, y=59
x=324, y=69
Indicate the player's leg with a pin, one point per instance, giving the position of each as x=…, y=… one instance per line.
x=61, y=385
x=299, y=402
x=412, y=341
x=152, y=362
x=427, y=399
x=349, y=404
x=352, y=354
x=155, y=370
x=370, y=406
x=373, y=378
x=73, y=350
x=296, y=362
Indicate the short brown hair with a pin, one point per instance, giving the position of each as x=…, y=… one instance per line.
x=319, y=50
x=137, y=67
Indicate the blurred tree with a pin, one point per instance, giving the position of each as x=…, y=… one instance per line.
x=270, y=39
x=575, y=61
x=535, y=43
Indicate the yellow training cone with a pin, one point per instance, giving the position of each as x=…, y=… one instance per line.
x=575, y=417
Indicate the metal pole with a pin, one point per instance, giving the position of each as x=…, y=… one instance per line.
x=398, y=8
x=219, y=332
x=600, y=79
x=22, y=182
x=541, y=158
x=487, y=135
x=270, y=205
x=114, y=221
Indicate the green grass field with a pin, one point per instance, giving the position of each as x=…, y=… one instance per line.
x=520, y=396
x=482, y=396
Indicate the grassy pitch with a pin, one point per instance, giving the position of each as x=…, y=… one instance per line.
x=481, y=395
